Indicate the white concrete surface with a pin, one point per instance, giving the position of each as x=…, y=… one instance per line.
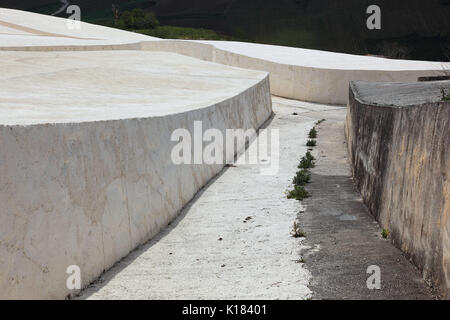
x=22, y=23
x=54, y=87
x=256, y=258
x=320, y=59
x=85, y=155
x=303, y=74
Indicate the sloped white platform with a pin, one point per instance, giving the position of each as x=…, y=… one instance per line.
x=86, y=154
x=73, y=87
x=303, y=74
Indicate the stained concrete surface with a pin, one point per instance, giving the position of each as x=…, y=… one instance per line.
x=346, y=239
x=399, y=137
x=398, y=94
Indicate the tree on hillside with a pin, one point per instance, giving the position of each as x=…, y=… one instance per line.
x=138, y=19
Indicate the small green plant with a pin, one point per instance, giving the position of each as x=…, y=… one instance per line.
x=311, y=143
x=313, y=133
x=309, y=156
x=301, y=178
x=385, y=233
x=297, y=232
x=301, y=260
x=298, y=193
x=320, y=121
x=306, y=163
x=445, y=96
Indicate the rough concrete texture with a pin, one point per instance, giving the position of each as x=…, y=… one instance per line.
x=345, y=238
x=231, y=242
x=86, y=155
x=400, y=160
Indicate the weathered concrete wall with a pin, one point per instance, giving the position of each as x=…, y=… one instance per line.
x=88, y=193
x=399, y=152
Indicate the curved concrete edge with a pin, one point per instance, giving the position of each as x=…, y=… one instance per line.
x=328, y=86
x=93, y=47
x=400, y=164
x=45, y=25
x=76, y=181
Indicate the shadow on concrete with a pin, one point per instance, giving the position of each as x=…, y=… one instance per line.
x=343, y=239
x=109, y=274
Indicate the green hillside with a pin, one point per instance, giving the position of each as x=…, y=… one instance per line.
x=414, y=29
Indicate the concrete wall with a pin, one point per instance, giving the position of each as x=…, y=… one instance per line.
x=88, y=193
x=400, y=161
x=322, y=85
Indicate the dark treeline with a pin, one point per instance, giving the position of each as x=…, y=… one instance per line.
x=411, y=29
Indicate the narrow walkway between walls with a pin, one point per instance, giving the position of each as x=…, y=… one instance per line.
x=233, y=241
x=344, y=237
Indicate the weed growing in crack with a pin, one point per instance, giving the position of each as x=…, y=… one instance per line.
x=309, y=156
x=297, y=232
x=307, y=161
x=445, y=96
x=385, y=233
x=312, y=133
x=301, y=178
x=320, y=121
x=298, y=193
x=311, y=143
x=301, y=260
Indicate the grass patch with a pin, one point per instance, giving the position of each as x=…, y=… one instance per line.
x=309, y=156
x=385, y=233
x=301, y=178
x=173, y=32
x=311, y=143
x=298, y=193
x=445, y=96
x=307, y=161
x=312, y=133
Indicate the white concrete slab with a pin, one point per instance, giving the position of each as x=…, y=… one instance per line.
x=66, y=87
x=303, y=74
x=44, y=25
x=86, y=155
x=321, y=59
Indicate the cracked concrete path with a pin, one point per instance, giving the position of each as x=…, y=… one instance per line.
x=346, y=238
x=233, y=240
